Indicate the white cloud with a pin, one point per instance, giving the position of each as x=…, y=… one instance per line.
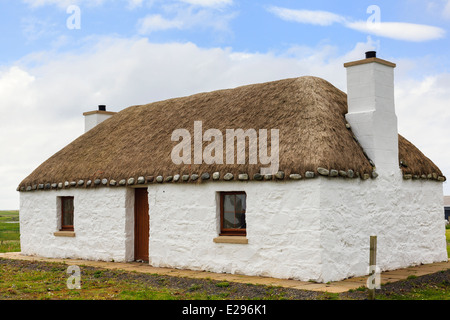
x=22, y=139
x=440, y=8
x=209, y=3
x=156, y=22
x=34, y=29
x=132, y=4
x=173, y=14
x=399, y=30
x=186, y=17
x=446, y=11
x=63, y=3
x=321, y=18
x=423, y=115
x=393, y=30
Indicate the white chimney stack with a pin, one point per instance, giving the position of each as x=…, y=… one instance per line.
x=93, y=118
x=371, y=110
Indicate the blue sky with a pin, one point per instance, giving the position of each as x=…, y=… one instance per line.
x=126, y=52
x=245, y=26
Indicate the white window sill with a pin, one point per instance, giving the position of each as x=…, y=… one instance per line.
x=231, y=239
x=64, y=234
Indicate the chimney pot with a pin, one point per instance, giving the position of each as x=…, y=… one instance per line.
x=371, y=54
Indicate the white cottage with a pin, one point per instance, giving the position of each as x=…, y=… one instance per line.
x=343, y=174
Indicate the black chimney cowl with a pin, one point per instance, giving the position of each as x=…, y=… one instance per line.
x=371, y=54
x=101, y=108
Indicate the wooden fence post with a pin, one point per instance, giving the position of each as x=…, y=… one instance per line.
x=372, y=266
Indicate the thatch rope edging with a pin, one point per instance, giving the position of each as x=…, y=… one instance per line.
x=206, y=177
x=227, y=177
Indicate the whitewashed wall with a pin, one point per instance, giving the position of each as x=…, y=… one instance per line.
x=283, y=229
x=405, y=215
x=306, y=230
x=103, y=223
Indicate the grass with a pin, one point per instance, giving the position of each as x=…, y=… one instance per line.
x=223, y=284
x=48, y=281
x=17, y=283
x=9, y=231
x=447, y=235
x=431, y=293
x=439, y=291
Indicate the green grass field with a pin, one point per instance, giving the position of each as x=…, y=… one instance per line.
x=447, y=234
x=9, y=231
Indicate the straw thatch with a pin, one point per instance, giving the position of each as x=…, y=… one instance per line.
x=414, y=164
x=136, y=143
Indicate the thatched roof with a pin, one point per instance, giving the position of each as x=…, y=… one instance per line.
x=134, y=145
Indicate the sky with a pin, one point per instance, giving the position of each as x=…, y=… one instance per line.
x=60, y=58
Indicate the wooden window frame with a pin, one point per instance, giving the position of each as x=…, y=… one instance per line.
x=230, y=232
x=63, y=226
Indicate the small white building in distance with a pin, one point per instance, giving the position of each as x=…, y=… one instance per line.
x=343, y=174
x=447, y=207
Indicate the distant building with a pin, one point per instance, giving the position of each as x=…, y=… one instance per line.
x=447, y=207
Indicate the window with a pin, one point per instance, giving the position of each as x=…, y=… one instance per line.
x=232, y=213
x=66, y=213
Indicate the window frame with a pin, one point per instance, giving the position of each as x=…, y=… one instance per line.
x=63, y=226
x=231, y=232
